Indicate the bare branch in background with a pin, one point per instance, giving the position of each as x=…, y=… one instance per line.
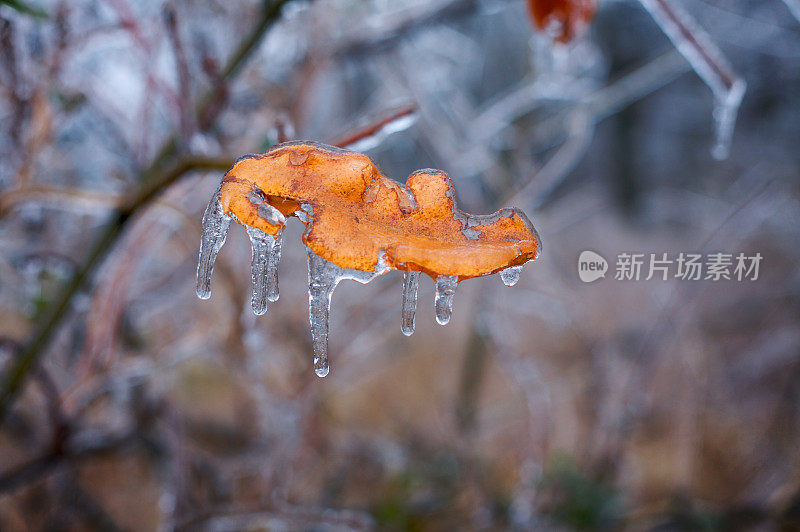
x=155, y=179
x=184, y=81
x=709, y=63
x=370, y=136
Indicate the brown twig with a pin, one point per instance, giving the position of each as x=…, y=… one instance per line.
x=184, y=85
x=44, y=464
x=10, y=71
x=376, y=127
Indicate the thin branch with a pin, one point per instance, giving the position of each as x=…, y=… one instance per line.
x=710, y=64
x=85, y=199
x=43, y=465
x=184, y=77
x=397, y=120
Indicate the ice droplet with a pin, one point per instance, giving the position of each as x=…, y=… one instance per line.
x=510, y=276
x=323, y=276
x=708, y=62
x=215, y=229
x=445, y=291
x=409, y=310
x=263, y=268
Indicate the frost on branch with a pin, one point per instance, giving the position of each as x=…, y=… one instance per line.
x=709, y=63
x=359, y=225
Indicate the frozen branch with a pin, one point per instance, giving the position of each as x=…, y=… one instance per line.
x=709, y=63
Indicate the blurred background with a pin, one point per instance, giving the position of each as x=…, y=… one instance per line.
x=129, y=404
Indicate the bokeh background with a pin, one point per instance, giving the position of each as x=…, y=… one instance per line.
x=638, y=405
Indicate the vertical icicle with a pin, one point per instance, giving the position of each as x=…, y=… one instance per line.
x=445, y=291
x=323, y=276
x=409, y=311
x=322, y=279
x=274, y=260
x=261, y=245
x=215, y=229
x=265, y=272
x=709, y=63
x=510, y=276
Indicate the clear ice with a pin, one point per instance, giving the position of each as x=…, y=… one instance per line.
x=445, y=291
x=510, y=276
x=215, y=229
x=323, y=276
x=709, y=63
x=409, y=311
x=273, y=261
x=266, y=254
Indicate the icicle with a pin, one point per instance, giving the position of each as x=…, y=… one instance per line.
x=510, y=276
x=261, y=245
x=709, y=63
x=445, y=291
x=322, y=279
x=323, y=276
x=408, y=313
x=725, y=111
x=215, y=229
x=274, y=260
x=266, y=253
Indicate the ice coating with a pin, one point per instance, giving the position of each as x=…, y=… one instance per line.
x=409, y=310
x=445, y=292
x=263, y=268
x=215, y=229
x=273, y=260
x=510, y=276
x=353, y=213
x=358, y=225
x=710, y=64
x=323, y=276
x=322, y=279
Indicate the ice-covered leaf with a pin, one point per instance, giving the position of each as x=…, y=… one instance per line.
x=359, y=225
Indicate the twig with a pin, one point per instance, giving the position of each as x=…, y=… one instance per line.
x=709, y=63
x=378, y=127
x=184, y=88
x=44, y=464
x=10, y=71
x=49, y=194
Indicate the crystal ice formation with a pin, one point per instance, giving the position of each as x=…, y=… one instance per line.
x=359, y=225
